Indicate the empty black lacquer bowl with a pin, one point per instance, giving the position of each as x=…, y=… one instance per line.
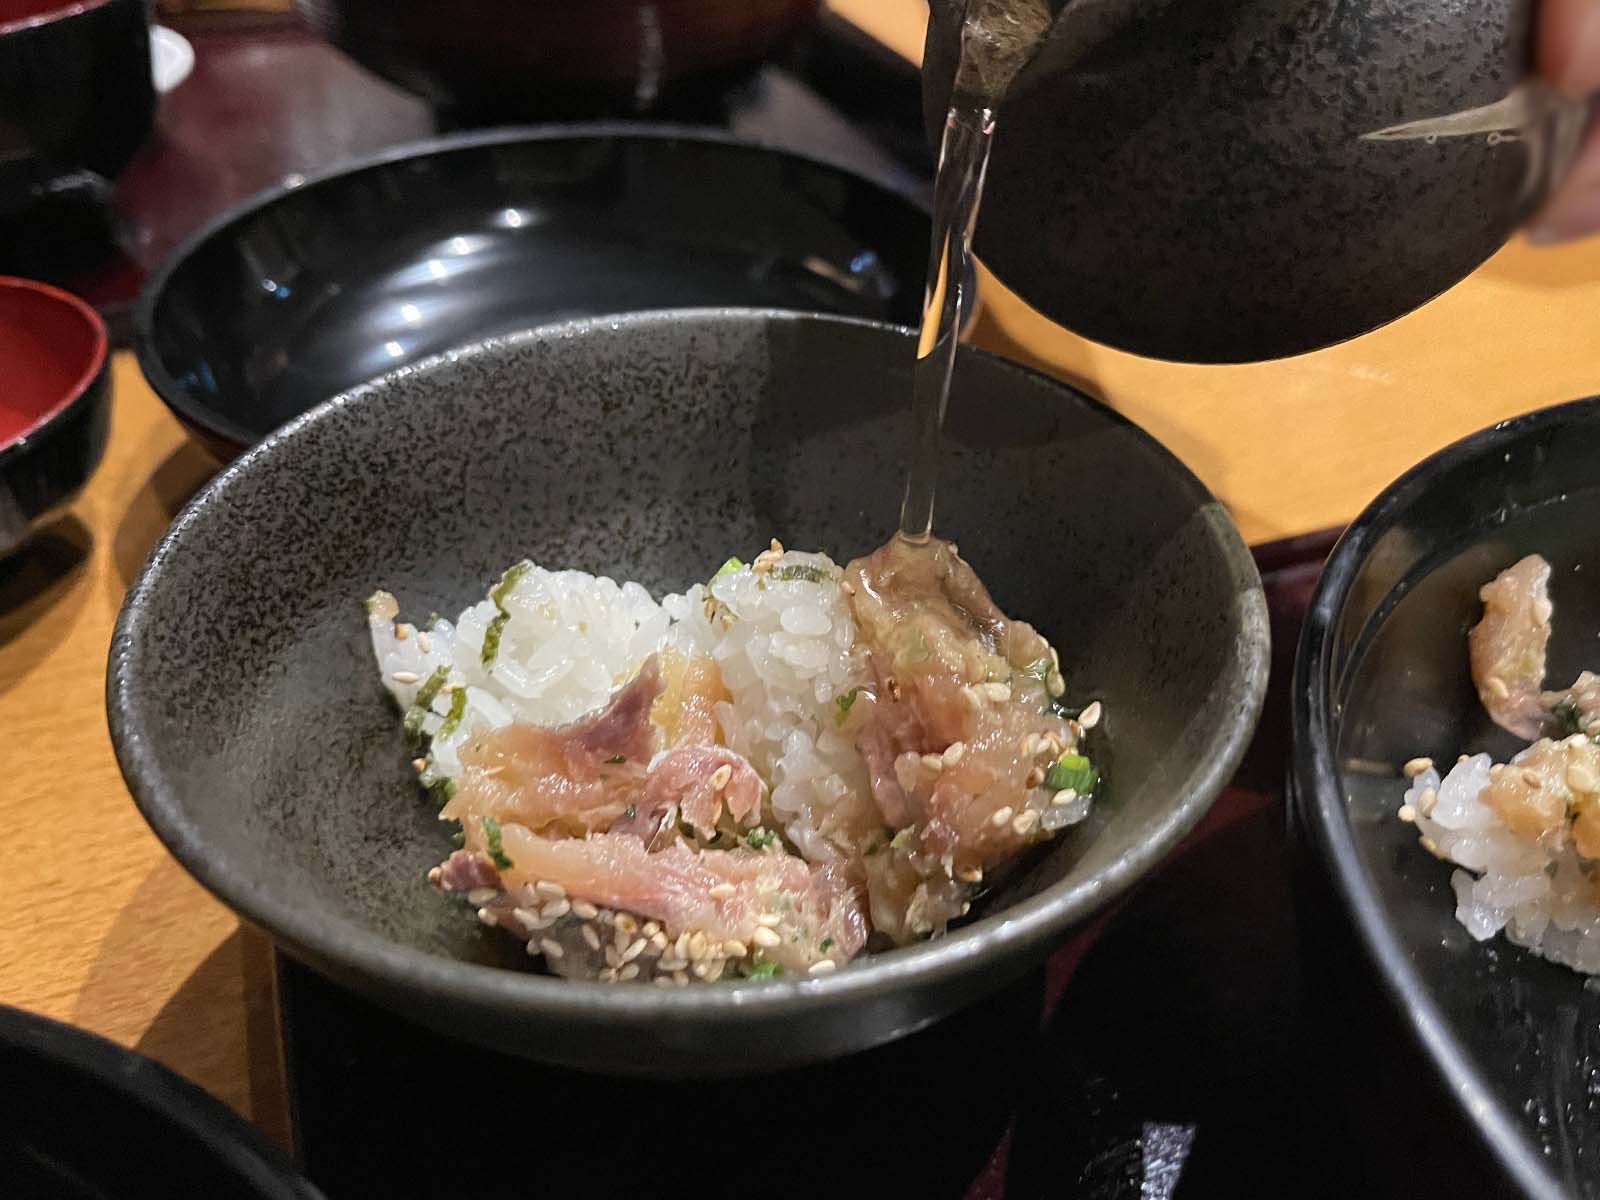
x=259, y=743
x=314, y=288
x=1512, y=1042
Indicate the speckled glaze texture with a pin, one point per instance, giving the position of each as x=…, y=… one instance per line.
x=1188, y=180
x=1382, y=676
x=259, y=744
x=310, y=290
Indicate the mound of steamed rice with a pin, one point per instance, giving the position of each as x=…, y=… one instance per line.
x=1543, y=900
x=563, y=641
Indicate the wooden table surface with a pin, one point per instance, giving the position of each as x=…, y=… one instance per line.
x=101, y=928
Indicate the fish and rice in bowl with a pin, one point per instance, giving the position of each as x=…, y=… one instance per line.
x=648, y=752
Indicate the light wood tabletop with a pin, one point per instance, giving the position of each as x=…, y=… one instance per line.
x=103, y=929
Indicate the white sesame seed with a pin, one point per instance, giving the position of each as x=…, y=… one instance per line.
x=970, y=874
x=720, y=777
x=954, y=752
x=680, y=948
x=972, y=695
x=932, y=762
x=629, y=971
x=680, y=979
x=662, y=981
x=620, y=938
x=613, y=957
x=966, y=907
x=722, y=891
x=481, y=895
x=658, y=941
x=1001, y=816
x=998, y=692
x=770, y=920
x=1090, y=717
x=1416, y=766
x=551, y=948
x=435, y=875
x=529, y=921
x=401, y=632
x=735, y=948
x=608, y=975
x=700, y=969
x=635, y=948
x=1025, y=822
x=1028, y=745
x=1431, y=846
x=1034, y=779
x=671, y=963
x=627, y=923
x=766, y=937
x=714, y=970
x=1576, y=739
x=486, y=916
x=404, y=677
x=1580, y=778
x=583, y=910
x=419, y=764
x=698, y=945
x=822, y=967
x=424, y=643
x=550, y=889
x=1064, y=796
x=1407, y=813
x=556, y=909
x=591, y=938
x=1496, y=687
x=1461, y=758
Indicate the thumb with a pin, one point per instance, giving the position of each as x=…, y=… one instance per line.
x=1569, y=45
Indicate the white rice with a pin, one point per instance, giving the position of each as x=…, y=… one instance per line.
x=1542, y=901
x=570, y=639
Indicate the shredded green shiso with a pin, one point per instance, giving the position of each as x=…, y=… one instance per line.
x=491, y=637
x=801, y=571
x=1072, y=771
x=845, y=703
x=491, y=837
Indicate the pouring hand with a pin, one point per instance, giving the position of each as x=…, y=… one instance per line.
x=1569, y=56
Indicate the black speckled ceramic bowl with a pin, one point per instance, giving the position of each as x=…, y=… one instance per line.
x=84, y=1119
x=1493, y=1042
x=1211, y=166
x=258, y=741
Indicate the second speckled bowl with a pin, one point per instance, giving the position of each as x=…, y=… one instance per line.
x=260, y=744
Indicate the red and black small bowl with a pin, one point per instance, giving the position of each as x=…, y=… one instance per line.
x=55, y=402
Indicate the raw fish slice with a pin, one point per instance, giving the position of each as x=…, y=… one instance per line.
x=1508, y=645
x=699, y=780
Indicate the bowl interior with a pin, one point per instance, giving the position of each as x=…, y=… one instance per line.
x=51, y=345
x=327, y=285
x=1513, y=1033
x=263, y=749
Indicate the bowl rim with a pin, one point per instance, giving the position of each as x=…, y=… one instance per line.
x=217, y=425
x=65, y=10
x=1026, y=925
x=18, y=445
x=1320, y=807
x=189, y=1111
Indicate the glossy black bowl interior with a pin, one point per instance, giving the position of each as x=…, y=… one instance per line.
x=311, y=290
x=55, y=402
x=84, y=1119
x=260, y=745
x=1382, y=677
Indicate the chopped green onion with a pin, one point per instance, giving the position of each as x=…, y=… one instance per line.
x=491, y=837
x=458, y=839
x=759, y=838
x=509, y=579
x=825, y=943
x=433, y=619
x=1072, y=771
x=617, y=758
x=491, y=636
x=803, y=571
x=844, y=702
x=903, y=839
x=430, y=687
x=1567, y=713
x=631, y=811
x=458, y=709
x=765, y=970
x=727, y=568
x=412, y=725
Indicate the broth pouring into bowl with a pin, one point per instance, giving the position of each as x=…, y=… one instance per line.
x=779, y=767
